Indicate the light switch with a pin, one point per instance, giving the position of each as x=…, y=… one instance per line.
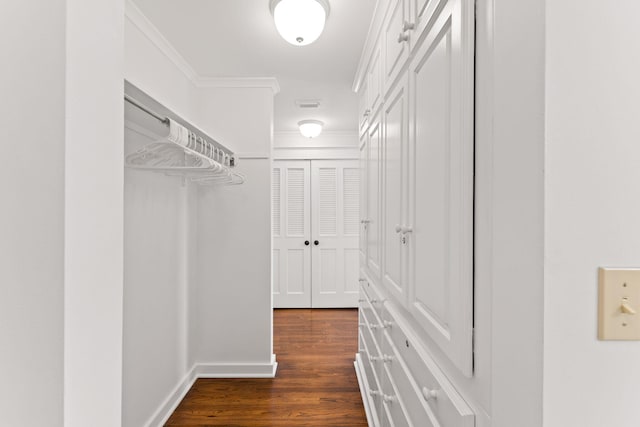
x=619, y=304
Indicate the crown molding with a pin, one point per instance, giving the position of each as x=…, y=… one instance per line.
x=146, y=27
x=137, y=18
x=238, y=82
x=346, y=133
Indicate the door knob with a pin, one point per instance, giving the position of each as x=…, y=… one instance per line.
x=306, y=243
x=315, y=242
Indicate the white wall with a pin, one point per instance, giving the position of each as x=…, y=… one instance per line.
x=154, y=66
x=93, y=213
x=512, y=138
x=32, y=213
x=234, y=229
x=592, y=204
x=159, y=244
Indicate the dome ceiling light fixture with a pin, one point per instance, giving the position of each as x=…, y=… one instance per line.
x=300, y=22
x=310, y=128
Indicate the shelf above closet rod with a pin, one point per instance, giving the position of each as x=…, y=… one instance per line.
x=142, y=101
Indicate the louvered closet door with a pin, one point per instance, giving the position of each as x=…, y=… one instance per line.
x=291, y=228
x=335, y=229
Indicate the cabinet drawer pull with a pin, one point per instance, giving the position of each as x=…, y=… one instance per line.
x=386, y=324
x=406, y=26
x=387, y=358
x=374, y=392
x=429, y=394
x=389, y=398
x=374, y=327
x=373, y=358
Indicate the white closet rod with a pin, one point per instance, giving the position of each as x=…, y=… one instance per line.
x=146, y=109
x=153, y=108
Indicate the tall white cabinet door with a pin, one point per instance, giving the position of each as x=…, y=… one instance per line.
x=395, y=41
x=291, y=202
x=395, y=229
x=374, y=250
x=364, y=221
x=335, y=227
x=441, y=144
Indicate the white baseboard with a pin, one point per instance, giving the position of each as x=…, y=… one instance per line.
x=369, y=409
x=172, y=401
x=209, y=370
x=237, y=370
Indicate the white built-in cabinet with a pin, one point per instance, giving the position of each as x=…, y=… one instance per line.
x=416, y=244
x=315, y=227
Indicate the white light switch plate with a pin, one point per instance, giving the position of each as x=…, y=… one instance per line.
x=619, y=297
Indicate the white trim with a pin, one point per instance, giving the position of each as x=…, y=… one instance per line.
x=238, y=82
x=256, y=155
x=347, y=133
x=237, y=370
x=315, y=153
x=363, y=384
x=146, y=27
x=164, y=411
x=209, y=370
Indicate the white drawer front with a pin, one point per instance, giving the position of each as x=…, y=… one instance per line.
x=434, y=388
x=374, y=296
x=392, y=402
x=415, y=403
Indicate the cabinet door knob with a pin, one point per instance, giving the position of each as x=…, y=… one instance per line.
x=315, y=242
x=429, y=394
x=306, y=243
x=402, y=37
x=404, y=229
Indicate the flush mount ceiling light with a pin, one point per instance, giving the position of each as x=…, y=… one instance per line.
x=310, y=128
x=299, y=22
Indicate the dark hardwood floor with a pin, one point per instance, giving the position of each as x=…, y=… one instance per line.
x=315, y=384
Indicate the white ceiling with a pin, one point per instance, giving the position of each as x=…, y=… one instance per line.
x=237, y=38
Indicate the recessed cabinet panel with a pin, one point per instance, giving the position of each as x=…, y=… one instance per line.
x=395, y=228
x=373, y=197
x=374, y=80
x=396, y=45
x=364, y=179
x=441, y=144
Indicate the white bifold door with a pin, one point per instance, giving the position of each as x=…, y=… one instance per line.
x=315, y=217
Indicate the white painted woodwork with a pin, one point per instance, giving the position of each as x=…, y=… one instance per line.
x=373, y=197
x=422, y=14
x=315, y=201
x=441, y=149
x=374, y=81
x=395, y=42
x=335, y=226
x=394, y=204
x=363, y=108
x=291, y=191
x=364, y=225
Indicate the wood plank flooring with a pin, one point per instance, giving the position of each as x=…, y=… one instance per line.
x=315, y=384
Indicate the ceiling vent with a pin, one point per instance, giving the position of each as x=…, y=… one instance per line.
x=307, y=104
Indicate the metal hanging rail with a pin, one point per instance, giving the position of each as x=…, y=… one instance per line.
x=146, y=109
x=153, y=108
